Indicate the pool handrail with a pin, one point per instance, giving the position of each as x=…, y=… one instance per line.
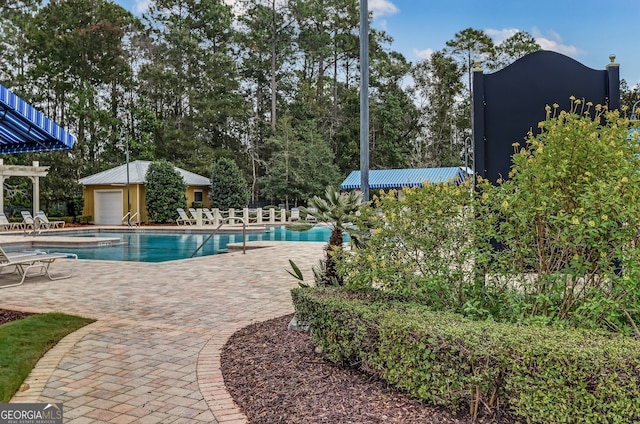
x=226, y=220
x=128, y=217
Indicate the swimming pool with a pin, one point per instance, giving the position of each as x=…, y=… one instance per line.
x=150, y=247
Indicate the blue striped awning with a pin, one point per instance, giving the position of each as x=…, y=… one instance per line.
x=25, y=129
x=398, y=178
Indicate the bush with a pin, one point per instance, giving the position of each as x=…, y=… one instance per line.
x=165, y=192
x=419, y=244
x=567, y=222
x=557, y=243
x=84, y=219
x=538, y=374
x=228, y=186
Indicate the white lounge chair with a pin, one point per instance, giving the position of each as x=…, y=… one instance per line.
x=310, y=217
x=295, y=214
x=194, y=213
x=184, y=219
x=24, y=263
x=29, y=223
x=52, y=224
x=211, y=216
x=6, y=225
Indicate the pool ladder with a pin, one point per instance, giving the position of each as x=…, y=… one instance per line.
x=127, y=218
x=226, y=221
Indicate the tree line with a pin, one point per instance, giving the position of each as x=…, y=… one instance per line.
x=272, y=85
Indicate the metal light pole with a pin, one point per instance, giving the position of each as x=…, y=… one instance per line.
x=128, y=187
x=364, y=99
x=128, y=183
x=126, y=155
x=467, y=147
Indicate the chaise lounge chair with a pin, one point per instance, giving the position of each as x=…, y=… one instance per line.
x=24, y=263
x=6, y=225
x=183, y=219
x=310, y=218
x=205, y=218
x=210, y=216
x=295, y=215
x=29, y=223
x=51, y=224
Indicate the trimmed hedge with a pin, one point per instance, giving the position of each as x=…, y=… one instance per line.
x=539, y=374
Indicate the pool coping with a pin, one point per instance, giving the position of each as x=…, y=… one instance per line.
x=58, y=238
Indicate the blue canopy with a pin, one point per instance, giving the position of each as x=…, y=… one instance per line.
x=398, y=178
x=25, y=129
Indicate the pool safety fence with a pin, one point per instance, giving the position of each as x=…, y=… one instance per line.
x=257, y=216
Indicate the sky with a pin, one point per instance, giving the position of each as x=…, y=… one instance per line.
x=589, y=31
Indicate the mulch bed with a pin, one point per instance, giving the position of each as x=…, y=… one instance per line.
x=276, y=376
x=7, y=316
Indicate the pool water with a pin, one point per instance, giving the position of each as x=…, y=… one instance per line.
x=150, y=247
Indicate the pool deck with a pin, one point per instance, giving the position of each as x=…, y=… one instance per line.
x=153, y=355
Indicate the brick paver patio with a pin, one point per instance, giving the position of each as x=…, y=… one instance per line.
x=153, y=355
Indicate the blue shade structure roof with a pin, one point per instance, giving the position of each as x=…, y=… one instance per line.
x=25, y=129
x=398, y=178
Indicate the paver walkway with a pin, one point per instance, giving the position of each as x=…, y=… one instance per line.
x=153, y=356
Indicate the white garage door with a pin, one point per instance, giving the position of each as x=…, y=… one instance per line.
x=108, y=207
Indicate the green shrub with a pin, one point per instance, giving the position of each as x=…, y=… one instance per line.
x=228, y=186
x=54, y=213
x=537, y=374
x=556, y=243
x=420, y=244
x=567, y=221
x=84, y=219
x=165, y=192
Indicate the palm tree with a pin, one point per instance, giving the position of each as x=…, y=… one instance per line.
x=335, y=209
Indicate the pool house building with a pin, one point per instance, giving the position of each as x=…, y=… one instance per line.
x=106, y=194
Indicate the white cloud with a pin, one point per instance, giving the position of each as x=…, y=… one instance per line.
x=382, y=8
x=499, y=35
x=141, y=6
x=423, y=54
x=552, y=41
x=237, y=7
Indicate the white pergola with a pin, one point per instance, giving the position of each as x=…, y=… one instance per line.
x=33, y=172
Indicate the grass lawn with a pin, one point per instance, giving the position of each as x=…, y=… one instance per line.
x=23, y=342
